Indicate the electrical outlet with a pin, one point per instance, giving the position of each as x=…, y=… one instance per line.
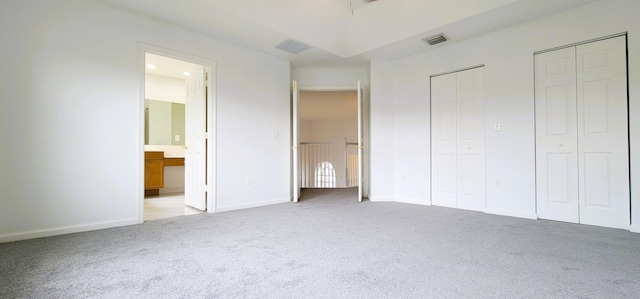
x=498, y=183
x=248, y=180
x=497, y=127
x=275, y=134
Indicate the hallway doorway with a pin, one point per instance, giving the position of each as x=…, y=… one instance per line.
x=328, y=133
x=327, y=139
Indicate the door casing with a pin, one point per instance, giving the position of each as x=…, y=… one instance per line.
x=365, y=123
x=210, y=122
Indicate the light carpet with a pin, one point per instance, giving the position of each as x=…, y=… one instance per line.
x=329, y=246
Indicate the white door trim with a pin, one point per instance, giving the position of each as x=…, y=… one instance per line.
x=295, y=141
x=457, y=71
x=581, y=43
x=366, y=119
x=360, y=145
x=209, y=66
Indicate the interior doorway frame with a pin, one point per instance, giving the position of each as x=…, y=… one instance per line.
x=210, y=121
x=366, y=125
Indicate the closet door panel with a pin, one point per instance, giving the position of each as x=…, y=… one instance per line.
x=558, y=179
x=556, y=136
x=446, y=179
x=603, y=133
x=471, y=140
x=443, y=144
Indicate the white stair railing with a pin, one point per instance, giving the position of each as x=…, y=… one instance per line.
x=341, y=171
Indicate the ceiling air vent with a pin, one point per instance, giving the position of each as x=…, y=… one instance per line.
x=436, y=39
x=292, y=46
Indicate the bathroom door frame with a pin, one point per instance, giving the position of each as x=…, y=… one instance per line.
x=210, y=121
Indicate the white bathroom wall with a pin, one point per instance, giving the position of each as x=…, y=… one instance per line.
x=173, y=180
x=163, y=88
x=170, y=151
x=71, y=95
x=508, y=58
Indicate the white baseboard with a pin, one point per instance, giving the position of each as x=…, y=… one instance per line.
x=511, y=214
x=634, y=228
x=415, y=201
x=380, y=199
x=251, y=205
x=65, y=230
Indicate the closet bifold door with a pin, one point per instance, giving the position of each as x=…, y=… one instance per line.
x=443, y=140
x=582, y=152
x=471, y=140
x=603, y=142
x=458, y=140
x=556, y=135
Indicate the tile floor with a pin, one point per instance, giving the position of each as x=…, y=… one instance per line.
x=165, y=206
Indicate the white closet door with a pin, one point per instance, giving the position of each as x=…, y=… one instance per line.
x=458, y=140
x=582, y=146
x=603, y=148
x=471, y=140
x=556, y=135
x=443, y=144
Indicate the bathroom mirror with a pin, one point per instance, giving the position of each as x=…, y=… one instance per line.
x=164, y=123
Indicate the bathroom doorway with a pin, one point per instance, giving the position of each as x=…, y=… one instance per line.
x=176, y=148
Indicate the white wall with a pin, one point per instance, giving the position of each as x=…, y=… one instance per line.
x=382, y=132
x=331, y=129
x=328, y=116
x=508, y=58
x=163, y=88
x=170, y=151
x=72, y=114
x=330, y=76
x=173, y=180
x=304, y=130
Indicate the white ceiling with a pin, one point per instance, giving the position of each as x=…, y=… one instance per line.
x=169, y=67
x=383, y=29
